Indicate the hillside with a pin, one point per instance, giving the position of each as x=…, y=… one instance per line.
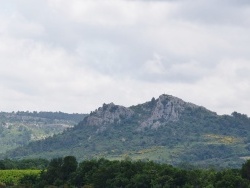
x=19, y=128
x=166, y=129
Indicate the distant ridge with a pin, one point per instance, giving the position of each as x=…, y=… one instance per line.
x=20, y=128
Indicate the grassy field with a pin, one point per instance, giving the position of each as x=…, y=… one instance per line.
x=12, y=177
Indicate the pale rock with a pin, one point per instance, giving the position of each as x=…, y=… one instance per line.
x=108, y=114
x=167, y=109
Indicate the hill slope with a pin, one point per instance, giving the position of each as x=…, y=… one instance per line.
x=166, y=129
x=19, y=128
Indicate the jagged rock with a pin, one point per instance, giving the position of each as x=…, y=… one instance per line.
x=108, y=114
x=167, y=108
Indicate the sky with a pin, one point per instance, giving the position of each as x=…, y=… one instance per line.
x=73, y=56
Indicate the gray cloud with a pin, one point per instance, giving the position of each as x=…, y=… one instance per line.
x=75, y=55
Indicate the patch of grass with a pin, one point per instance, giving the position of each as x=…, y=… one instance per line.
x=221, y=139
x=160, y=154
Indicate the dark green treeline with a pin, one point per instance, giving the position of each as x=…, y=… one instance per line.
x=102, y=173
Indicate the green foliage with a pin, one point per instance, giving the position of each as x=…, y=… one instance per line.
x=14, y=177
x=60, y=170
x=18, y=129
x=230, y=179
x=65, y=172
x=104, y=173
x=200, y=137
x=53, y=115
x=245, y=170
x=24, y=164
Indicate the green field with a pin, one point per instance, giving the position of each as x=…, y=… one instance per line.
x=13, y=177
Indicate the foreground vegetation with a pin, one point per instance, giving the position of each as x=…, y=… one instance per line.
x=16, y=177
x=101, y=173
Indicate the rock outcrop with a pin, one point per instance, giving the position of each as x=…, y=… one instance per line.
x=164, y=109
x=108, y=114
x=167, y=108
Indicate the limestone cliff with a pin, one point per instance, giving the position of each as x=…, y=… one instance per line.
x=166, y=109
x=108, y=114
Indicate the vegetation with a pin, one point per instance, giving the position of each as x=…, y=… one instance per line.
x=34, y=164
x=199, y=137
x=16, y=177
x=19, y=128
x=25, y=171
x=101, y=173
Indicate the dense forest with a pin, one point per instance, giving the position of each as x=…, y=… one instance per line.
x=101, y=173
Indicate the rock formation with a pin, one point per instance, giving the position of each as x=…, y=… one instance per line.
x=108, y=114
x=167, y=108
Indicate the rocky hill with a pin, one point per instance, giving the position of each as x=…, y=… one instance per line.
x=166, y=129
x=20, y=128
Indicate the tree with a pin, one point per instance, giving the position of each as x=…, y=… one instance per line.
x=245, y=170
x=54, y=170
x=230, y=179
x=2, y=166
x=68, y=167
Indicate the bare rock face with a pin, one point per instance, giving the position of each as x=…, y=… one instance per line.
x=161, y=111
x=167, y=108
x=108, y=114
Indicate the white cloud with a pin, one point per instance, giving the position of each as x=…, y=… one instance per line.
x=75, y=55
x=226, y=89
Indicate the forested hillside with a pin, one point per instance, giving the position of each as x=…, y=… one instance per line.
x=166, y=129
x=19, y=128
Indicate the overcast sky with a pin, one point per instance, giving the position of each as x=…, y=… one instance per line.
x=73, y=56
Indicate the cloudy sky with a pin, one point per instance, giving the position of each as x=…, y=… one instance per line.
x=73, y=56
